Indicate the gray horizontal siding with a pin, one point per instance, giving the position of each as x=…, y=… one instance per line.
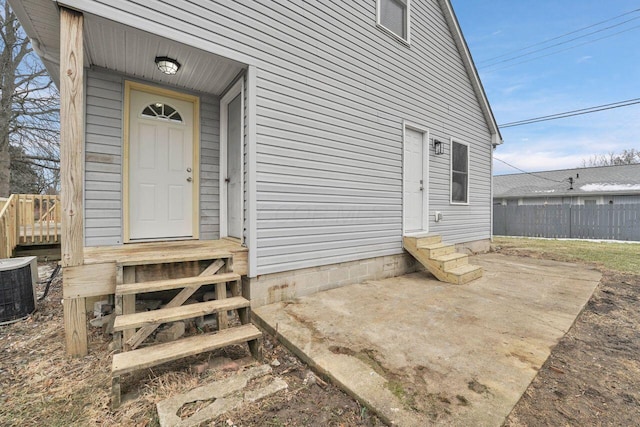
x=103, y=159
x=332, y=93
x=209, y=167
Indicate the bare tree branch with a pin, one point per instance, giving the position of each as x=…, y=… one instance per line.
x=29, y=112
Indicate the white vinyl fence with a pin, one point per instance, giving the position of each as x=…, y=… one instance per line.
x=610, y=222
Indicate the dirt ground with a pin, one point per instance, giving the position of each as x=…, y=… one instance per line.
x=40, y=386
x=591, y=377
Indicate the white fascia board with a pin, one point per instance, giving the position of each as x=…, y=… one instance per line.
x=463, y=48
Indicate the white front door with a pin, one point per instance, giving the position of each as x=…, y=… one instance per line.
x=415, y=181
x=231, y=191
x=161, y=169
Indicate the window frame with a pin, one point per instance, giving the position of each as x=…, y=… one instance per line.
x=407, y=4
x=451, y=142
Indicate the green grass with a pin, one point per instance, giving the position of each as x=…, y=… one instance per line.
x=623, y=257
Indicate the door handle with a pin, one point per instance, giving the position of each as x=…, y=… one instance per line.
x=189, y=179
x=188, y=169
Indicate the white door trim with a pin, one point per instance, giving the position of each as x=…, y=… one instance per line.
x=235, y=90
x=425, y=173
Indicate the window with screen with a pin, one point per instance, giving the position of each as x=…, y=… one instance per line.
x=459, y=172
x=393, y=15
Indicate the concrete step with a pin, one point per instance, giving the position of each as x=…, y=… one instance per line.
x=163, y=285
x=437, y=249
x=466, y=273
x=452, y=260
x=148, y=357
x=190, y=311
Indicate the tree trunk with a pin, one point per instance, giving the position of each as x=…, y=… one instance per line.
x=5, y=172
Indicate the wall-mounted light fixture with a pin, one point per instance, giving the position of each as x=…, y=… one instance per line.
x=438, y=147
x=167, y=65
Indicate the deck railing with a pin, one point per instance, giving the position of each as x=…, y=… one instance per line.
x=8, y=226
x=29, y=219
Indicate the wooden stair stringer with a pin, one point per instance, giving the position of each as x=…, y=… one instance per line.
x=451, y=268
x=410, y=244
x=138, y=326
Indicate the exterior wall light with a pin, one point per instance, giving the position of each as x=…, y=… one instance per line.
x=438, y=147
x=167, y=65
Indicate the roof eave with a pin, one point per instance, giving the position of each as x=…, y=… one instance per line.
x=50, y=60
x=452, y=20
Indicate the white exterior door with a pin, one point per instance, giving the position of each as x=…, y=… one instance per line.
x=415, y=181
x=161, y=169
x=231, y=162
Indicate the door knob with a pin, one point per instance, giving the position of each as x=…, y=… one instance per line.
x=188, y=169
x=189, y=179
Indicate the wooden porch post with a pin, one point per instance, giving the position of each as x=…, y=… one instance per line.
x=71, y=174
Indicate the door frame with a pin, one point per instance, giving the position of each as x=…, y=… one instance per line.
x=425, y=173
x=195, y=100
x=236, y=89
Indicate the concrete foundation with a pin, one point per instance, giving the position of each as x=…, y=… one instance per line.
x=288, y=285
x=271, y=288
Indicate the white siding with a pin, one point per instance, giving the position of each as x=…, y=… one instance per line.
x=103, y=161
x=332, y=92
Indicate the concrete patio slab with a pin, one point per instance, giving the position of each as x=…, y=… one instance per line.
x=421, y=352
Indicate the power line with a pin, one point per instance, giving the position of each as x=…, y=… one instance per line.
x=528, y=173
x=561, y=50
x=573, y=113
x=560, y=36
x=563, y=43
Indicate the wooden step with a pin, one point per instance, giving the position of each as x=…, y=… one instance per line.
x=158, y=354
x=466, y=273
x=453, y=260
x=190, y=311
x=437, y=249
x=164, y=258
x=423, y=238
x=167, y=284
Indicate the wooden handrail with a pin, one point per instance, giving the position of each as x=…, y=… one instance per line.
x=8, y=227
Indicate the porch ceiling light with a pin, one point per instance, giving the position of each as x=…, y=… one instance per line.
x=167, y=65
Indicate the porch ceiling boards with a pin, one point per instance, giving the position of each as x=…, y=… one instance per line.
x=114, y=46
x=131, y=51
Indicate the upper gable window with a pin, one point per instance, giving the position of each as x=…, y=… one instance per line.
x=162, y=111
x=393, y=15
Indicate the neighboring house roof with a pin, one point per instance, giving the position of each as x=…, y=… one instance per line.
x=594, y=181
x=40, y=21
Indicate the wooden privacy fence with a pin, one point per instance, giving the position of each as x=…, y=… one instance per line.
x=608, y=222
x=28, y=219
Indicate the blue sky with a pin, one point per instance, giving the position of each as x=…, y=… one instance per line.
x=601, y=72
